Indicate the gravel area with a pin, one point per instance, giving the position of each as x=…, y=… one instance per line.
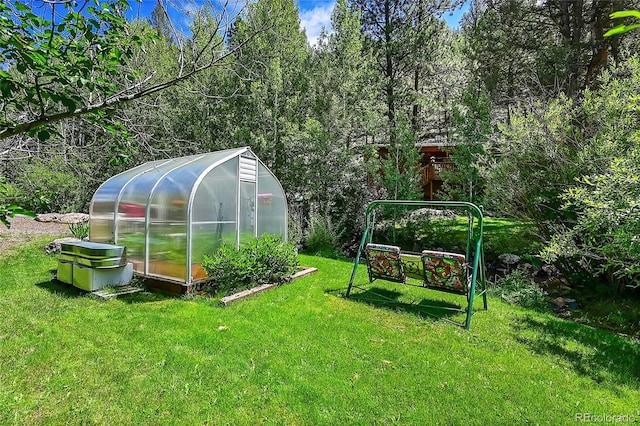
x=25, y=228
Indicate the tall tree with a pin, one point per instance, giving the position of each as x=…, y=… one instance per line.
x=272, y=77
x=540, y=48
x=400, y=33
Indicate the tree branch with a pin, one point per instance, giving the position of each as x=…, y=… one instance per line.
x=119, y=98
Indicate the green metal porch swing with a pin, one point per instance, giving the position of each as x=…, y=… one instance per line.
x=462, y=274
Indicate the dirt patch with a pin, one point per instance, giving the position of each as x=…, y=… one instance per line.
x=24, y=228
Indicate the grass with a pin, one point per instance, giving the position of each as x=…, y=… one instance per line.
x=299, y=354
x=500, y=236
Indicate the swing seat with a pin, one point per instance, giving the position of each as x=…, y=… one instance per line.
x=462, y=274
x=384, y=262
x=445, y=271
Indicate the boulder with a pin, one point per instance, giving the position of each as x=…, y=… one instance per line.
x=74, y=218
x=527, y=269
x=55, y=245
x=509, y=259
x=548, y=271
x=48, y=217
x=62, y=218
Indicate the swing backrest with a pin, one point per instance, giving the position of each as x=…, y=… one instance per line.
x=384, y=262
x=412, y=265
x=445, y=271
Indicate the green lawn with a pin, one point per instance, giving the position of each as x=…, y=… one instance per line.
x=500, y=236
x=299, y=354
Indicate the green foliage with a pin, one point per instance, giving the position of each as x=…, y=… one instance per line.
x=571, y=168
x=520, y=50
x=80, y=230
x=51, y=185
x=264, y=260
x=58, y=67
x=323, y=237
x=622, y=28
x=397, y=170
x=7, y=209
x=605, y=237
x=517, y=288
x=472, y=121
x=531, y=160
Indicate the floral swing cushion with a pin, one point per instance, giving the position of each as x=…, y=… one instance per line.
x=384, y=262
x=444, y=271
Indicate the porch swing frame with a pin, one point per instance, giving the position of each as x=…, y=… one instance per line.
x=474, y=273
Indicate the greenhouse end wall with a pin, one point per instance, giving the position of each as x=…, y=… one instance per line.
x=170, y=213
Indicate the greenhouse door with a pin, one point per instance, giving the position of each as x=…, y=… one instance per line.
x=247, y=213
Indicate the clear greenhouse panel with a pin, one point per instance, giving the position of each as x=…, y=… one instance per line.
x=247, y=213
x=167, y=238
x=132, y=209
x=272, y=204
x=103, y=204
x=170, y=213
x=215, y=197
x=213, y=214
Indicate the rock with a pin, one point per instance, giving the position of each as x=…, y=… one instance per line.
x=556, y=286
x=47, y=217
x=564, y=314
x=426, y=213
x=62, y=218
x=74, y=218
x=509, y=259
x=558, y=302
x=55, y=245
x=550, y=270
x=571, y=303
x=527, y=268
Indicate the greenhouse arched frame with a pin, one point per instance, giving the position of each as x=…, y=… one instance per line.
x=170, y=213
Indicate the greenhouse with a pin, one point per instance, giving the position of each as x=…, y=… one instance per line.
x=170, y=213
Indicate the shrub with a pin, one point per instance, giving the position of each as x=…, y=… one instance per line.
x=50, y=185
x=80, y=230
x=264, y=260
x=605, y=235
x=323, y=237
x=7, y=208
x=519, y=289
x=227, y=268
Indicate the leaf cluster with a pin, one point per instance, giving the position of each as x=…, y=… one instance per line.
x=8, y=209
x=57, y=65
x=264, y=260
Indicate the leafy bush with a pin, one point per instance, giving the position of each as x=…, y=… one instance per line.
x=570, y=166
x=519, y=289
x=80, y=230
x=51, y=185
x=7, y=208
x=264, y=260
x=323, y=238
x=605, y=237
